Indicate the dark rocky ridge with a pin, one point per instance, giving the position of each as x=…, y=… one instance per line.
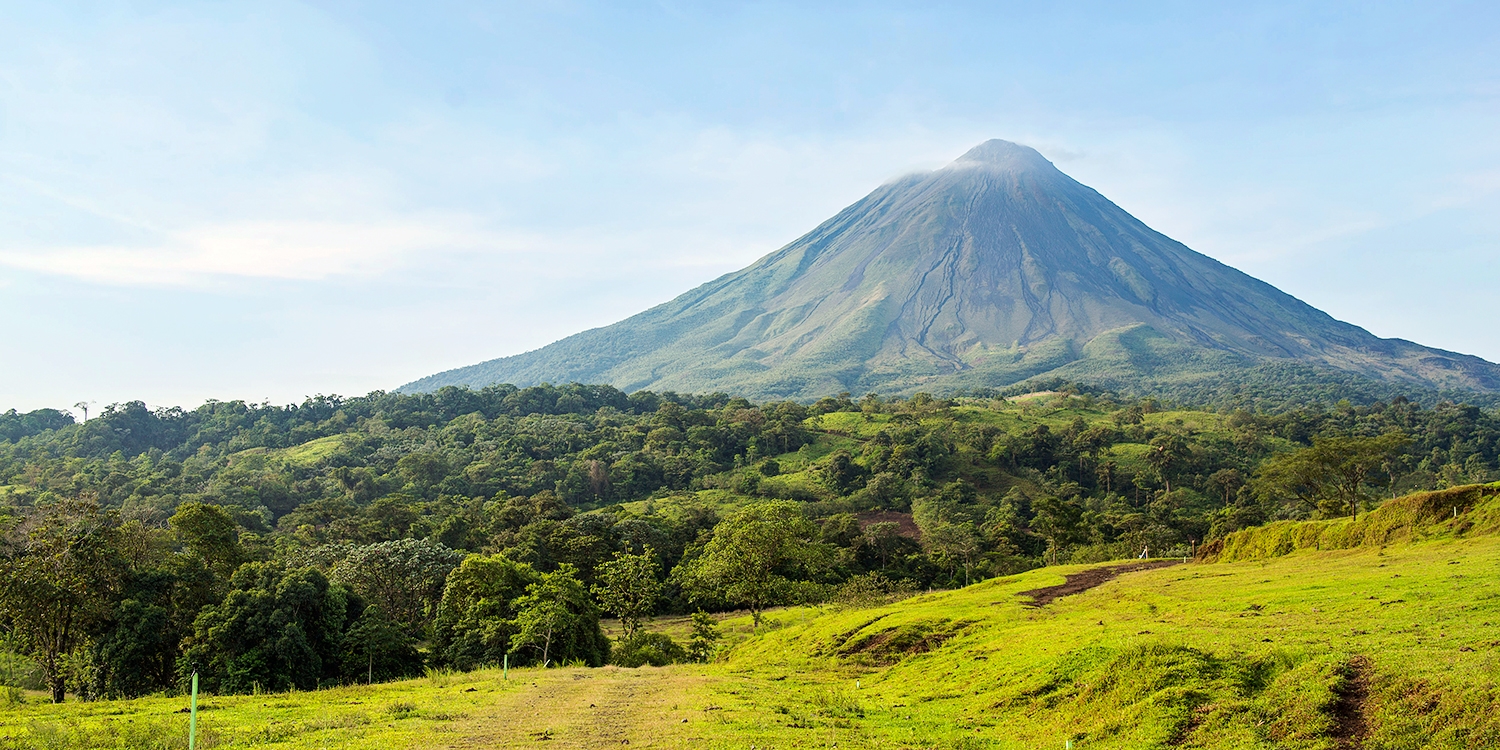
x=992, y=270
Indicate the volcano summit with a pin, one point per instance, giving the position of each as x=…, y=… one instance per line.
x=994, y=269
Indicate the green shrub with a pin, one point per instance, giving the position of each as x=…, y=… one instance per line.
x=18, y=671
x=704, y=643
x=835, y=703
x=656, y=649
x=872, y=590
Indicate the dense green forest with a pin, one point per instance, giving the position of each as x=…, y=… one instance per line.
x=350, y=540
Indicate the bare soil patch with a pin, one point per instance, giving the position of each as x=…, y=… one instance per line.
x=1081, y=582
x=891, y=645
x=1351, y=712
x=907, y=526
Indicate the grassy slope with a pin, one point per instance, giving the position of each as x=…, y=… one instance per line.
x=1244, y=654
x=310, y=453
x=1460, y=511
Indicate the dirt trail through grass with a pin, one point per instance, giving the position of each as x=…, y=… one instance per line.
x=591, y=708
x=1081, y=582
x=1352, y=709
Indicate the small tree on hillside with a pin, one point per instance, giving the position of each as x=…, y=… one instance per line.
x=1059, y=521
x=376, y=649
x=705, y=638
x=756, y=558
x=1168, y=453
x=628, y=588
x=58, y=572
x=886, y=540
x=279, y=628
x=558, y=621
x=1350, y=461
x=208, y=533
x=1228, y=481
x=954, y=543
x=840, y=473
x=948, y=533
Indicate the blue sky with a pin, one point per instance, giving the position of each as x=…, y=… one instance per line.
x=270, y=200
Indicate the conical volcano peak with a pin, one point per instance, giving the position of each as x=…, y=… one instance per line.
x=993, y=270
x=1005, y=155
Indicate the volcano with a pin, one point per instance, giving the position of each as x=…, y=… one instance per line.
x=995, y=269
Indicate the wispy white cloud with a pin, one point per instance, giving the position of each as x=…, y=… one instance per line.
x=302, y=250
x=320, y=250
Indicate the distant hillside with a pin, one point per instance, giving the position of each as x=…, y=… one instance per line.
x=990, y=271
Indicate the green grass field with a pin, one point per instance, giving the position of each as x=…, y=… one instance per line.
x=1391, y=641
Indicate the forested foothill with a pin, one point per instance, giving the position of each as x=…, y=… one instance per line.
x=363, y=539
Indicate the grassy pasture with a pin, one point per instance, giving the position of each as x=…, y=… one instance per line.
x=572, y=707
x=308, y=454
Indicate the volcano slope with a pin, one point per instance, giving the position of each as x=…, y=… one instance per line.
x=1386, y=640
x=992, y=270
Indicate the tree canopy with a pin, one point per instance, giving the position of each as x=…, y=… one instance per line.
x=278, y=628
x=757, y=557
x=349, y=540
x=629, y=587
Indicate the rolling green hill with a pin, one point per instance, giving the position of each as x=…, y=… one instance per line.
x=1389, y=642
x=993, y=270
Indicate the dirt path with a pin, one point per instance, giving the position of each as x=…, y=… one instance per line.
x=1351, y=712
x=589, y=708
x=1080, y=582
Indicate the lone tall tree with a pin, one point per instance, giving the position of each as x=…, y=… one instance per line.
x=404, y=578
x=628, y=588
x=558, y=621
x=1330, y=476
x=753, y=557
